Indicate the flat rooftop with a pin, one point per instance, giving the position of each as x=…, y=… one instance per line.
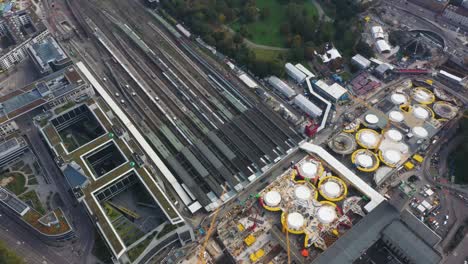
x=38, y=93
x=81, y=156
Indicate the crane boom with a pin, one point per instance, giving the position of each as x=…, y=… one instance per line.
x=201, y=257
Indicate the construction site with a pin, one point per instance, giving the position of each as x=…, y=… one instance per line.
x=383, y=137
x=300, y=214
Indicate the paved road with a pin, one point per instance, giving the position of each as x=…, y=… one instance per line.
x=322, y=15
x=28, y=246
x=75, y=212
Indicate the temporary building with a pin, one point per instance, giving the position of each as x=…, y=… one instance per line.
x=295, y=73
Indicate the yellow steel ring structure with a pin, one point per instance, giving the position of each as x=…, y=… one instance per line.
x=352, y=130
x=358, y=136
x=328, y=203
x=427, y=91
x=271, y=208
x=340, y=182
x=292, y=231
x=376, y=164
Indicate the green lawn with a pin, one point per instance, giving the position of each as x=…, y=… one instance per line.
x=17, y=183
x=267, y=31
x=36, y=204
x=267, y=55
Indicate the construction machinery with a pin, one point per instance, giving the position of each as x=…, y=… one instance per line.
x=201, y=256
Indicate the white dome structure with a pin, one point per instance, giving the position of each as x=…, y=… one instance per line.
x=394, y=135
x=302, y=192
x=367, y=138
x=396, y=116
x=308, y=170
x=371, y=119
x=331, y=189
x=326, y=214
x=420, y=132
x=295, y=221
x=420, y=112
x=399, y=99
x=391, y=156
x=272, y=198
x=423, y=96
x=364, y=160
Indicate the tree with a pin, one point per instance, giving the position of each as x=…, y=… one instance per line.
x=8, y=256
x=244, y=31
x=265, y=13
x=296, y=42
x=309, y=50
x=221, y=19
x=285, y=28
x=238, y=39
x=250, y=13
x=364, y=49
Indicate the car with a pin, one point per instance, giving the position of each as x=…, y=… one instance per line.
x=156, y=98
x=133, y=94
x=122, y=101
x=446, y=217
x=445, y=222
x=117, y=94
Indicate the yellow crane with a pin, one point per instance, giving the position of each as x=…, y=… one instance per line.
x=201, y=257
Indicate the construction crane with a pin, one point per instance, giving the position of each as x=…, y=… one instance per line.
x=201, y=256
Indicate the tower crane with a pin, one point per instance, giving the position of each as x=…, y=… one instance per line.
x=201, y=257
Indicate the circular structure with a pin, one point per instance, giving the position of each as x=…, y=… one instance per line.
x=399, y=98
x=367, y=138
x=308, y=170
x=396, y=116
x=441, y=94
x=445, y=110
x=332, y=188
x=420, y=132
x=302, y=192
x=343, y=143
x=390, y=157
x=272, y=199
x=394, y=135
x=365, y=160
x=326, y=214
x=294, y=222
x=422, y=95
x=371, y=119
x=420, y=112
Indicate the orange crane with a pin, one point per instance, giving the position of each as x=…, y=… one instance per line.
x=287, y=240
x=201, y=257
